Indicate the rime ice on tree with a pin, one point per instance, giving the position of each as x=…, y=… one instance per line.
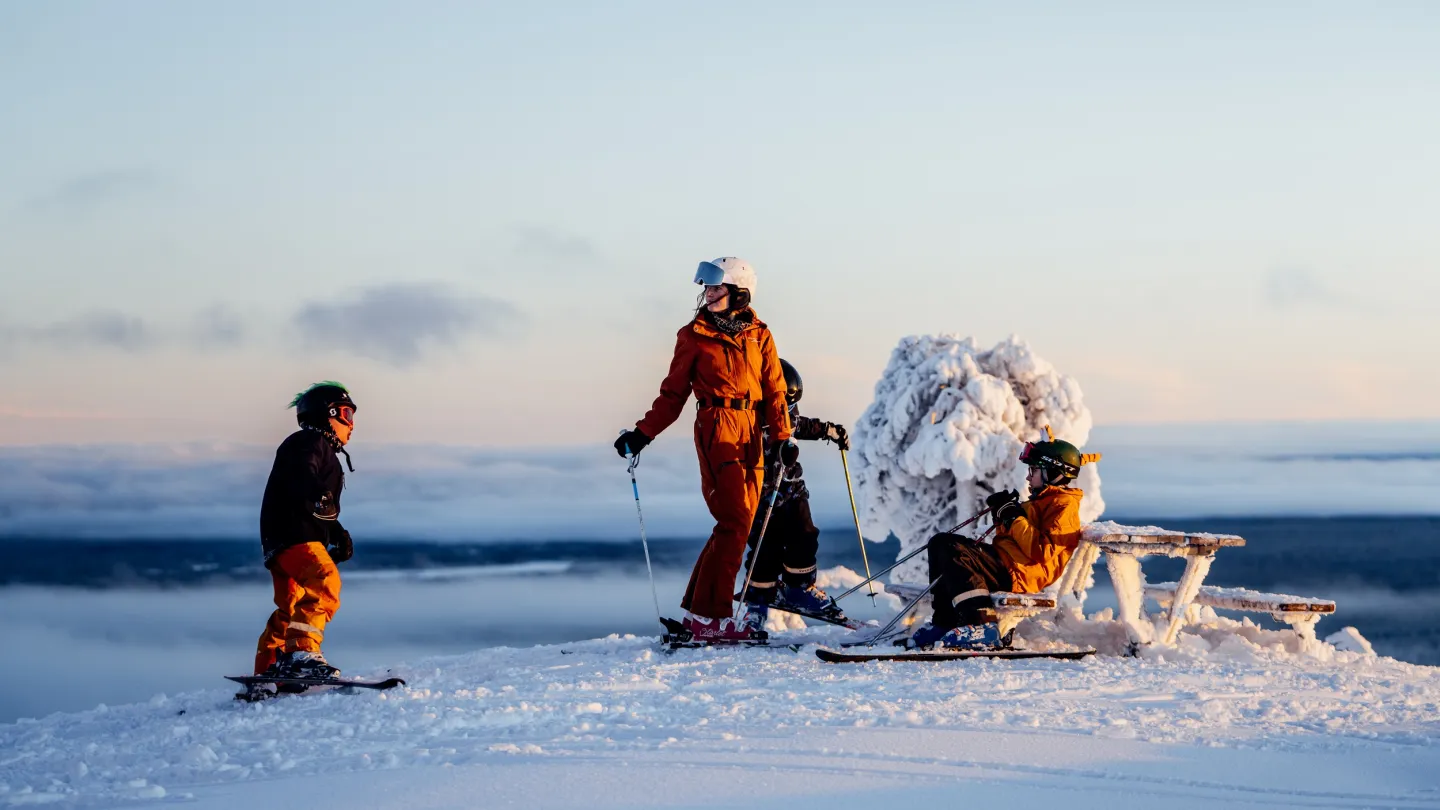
x=946, y=429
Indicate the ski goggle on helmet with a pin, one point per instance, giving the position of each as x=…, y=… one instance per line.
x=344, y=414
x=726, y=270
x=710, y=274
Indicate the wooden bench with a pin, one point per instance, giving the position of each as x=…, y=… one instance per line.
x=1010, y=608
x=1300, y=612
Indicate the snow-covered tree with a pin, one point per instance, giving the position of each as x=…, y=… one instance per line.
x=946, y=429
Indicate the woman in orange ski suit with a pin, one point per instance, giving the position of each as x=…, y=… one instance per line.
x=733, y=374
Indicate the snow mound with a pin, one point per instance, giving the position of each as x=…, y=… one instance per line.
x=621, y=698
x=945, y=429
x=1348, y=639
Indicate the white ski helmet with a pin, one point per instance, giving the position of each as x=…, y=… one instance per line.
x=727, y=270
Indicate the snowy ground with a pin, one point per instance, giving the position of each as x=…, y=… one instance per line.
x=1232, y=715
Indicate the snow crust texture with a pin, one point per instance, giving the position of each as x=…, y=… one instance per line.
x=1230, y=685
x=945, y=430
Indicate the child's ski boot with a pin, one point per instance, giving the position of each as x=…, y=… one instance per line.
x=305, y=664
x=810, y=601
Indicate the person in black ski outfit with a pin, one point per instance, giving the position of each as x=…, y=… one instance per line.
x=783, y=576
x=301, y=535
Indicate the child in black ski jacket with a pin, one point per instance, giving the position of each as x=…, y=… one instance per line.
x=783, y=573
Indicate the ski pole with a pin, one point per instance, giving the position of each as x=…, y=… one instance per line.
x=907, y=557
x=644, y=543
x=904, y=612
x=856, y=512
x=764, y=524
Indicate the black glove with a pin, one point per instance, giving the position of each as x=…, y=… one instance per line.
x=631, y=442
x=326, y=508
x=999, y=499
x=835, y=433
x=784, y=453
x=342, y=547
x=1007, y=513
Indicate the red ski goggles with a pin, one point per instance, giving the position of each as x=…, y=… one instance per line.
x=1032, y=457
x=344, y=414
x=1027, y=454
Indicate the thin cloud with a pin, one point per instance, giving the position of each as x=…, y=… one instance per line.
x=87, y=192
x=1294, y=287
x=215, y=327
x=219, y=327
x=397, y=323
x=542, y=242
x=100, y=329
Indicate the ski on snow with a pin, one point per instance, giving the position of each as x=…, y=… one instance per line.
x=342, y=685
x=848, y=623
x=835, y=657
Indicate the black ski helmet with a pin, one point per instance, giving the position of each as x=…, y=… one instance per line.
x=794, y=386
x=321, y=401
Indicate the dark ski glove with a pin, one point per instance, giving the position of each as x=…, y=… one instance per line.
x=999, y=499
x=631, y=442
x=342, y=548
x=836, y=433
x=326, y=508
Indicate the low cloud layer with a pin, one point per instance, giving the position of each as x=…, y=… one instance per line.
x=467, y=493
x=397, y=323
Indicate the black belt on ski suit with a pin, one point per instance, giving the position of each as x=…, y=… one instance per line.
x=733, y=404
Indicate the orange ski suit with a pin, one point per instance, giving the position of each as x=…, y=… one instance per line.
x=1039, y=543
x=307, y=593
x=731, y=376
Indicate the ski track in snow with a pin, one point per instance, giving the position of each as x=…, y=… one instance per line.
x=620, y=700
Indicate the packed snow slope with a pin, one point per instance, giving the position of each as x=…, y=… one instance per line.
x=1231, y=714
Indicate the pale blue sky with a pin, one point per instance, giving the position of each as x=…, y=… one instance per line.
x=485, y=218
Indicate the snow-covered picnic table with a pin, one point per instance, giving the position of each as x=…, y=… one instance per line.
x=1123, y=547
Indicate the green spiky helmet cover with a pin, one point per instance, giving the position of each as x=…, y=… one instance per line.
x=313, y=405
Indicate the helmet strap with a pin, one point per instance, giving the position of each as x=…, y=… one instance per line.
x=334, y=440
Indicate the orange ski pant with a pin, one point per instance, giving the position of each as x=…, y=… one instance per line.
x=732, y=491
x=307, y=593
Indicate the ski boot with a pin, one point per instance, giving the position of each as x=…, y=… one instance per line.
x=256, y=692
x=722, y=631
x=305, y=664
x=925, y=636
x=755, y=615
x=974, y=637
x=809, y=600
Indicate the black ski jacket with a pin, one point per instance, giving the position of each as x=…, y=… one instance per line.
x=305, y=473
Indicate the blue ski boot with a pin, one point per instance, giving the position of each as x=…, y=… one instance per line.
x=809, y=601
x=755, y=615
x=973, y=637
x=924, y=637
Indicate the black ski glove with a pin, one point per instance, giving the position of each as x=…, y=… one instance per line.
x=785, y=453
x=631, y=442
x=999, y=499
x=342, y=547
x=326, y=508
x=1004, y=507
x=836, y=433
